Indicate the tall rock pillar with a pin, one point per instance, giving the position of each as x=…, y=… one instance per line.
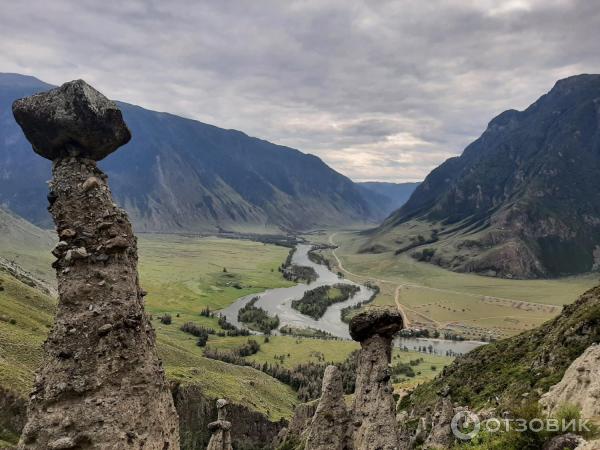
x=373, y=416
x=101, y=385
x=328, y=429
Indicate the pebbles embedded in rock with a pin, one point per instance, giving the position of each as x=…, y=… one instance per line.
x=75, y=125
x=104, y=329
x=67, y=233
x=60, y=248
x=91, y=183
x=117, y=243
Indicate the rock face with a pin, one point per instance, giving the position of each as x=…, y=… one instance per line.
x=373, y=421
x=564, y=442
x=221, y=429
x=72, y=120
x=580, y=386
x=328, y=429
x=521, y=201
x=594, y=445
x=441, y=434
x=101, y=385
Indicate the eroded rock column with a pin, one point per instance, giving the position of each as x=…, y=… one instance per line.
x=373, y=415
x=101, y=385
x=329, y=426
x=220, y=429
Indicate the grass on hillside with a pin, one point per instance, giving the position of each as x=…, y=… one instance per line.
x=183, y=276
x=25, y=318
x=289, y=352
x=467, y=304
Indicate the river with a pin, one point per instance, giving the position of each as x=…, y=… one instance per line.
x=279, y=302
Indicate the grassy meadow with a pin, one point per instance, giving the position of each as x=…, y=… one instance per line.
x=186, y=274
x=468, y=304
x=183, y=276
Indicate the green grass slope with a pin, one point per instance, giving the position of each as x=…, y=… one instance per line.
x=26, y=316
x=525, y=364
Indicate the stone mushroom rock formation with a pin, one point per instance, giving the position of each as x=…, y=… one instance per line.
x=373, y=415
x=221, y=429
x=101, y=384
x=328, y=429
x=580, y=386
x=72, y=120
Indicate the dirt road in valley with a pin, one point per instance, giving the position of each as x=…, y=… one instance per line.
x=403, y=308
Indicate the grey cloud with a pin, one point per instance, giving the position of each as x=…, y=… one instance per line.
x=379, y=89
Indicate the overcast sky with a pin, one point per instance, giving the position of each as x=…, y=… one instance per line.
x=381, y=90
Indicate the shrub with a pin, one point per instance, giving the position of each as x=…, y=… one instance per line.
x=166, y=319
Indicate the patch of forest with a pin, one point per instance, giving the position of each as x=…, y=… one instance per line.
x=256, y=318
x=315, y=302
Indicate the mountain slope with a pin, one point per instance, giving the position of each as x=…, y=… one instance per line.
x=178, y=174
x=25, y=250
x=523, y=200
x=395, y=194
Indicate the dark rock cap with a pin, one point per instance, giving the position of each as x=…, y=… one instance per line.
x=385, y=321
x=72, y=120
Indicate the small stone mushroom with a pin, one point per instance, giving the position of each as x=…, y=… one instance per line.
x=220, y=429
x=72, y=120
x=373, y=408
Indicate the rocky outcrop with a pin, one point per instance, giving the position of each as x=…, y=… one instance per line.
x=580, y=386
x=373, y=416
x=299, y=426
x=441, y=435
x=220, y=429
x=521, y=201
x=594, y=445
x=370, y=424
x=328, y=429
x=564, y=442
x=102, y=385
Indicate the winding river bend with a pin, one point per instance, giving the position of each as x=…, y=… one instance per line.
x=279, y=302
